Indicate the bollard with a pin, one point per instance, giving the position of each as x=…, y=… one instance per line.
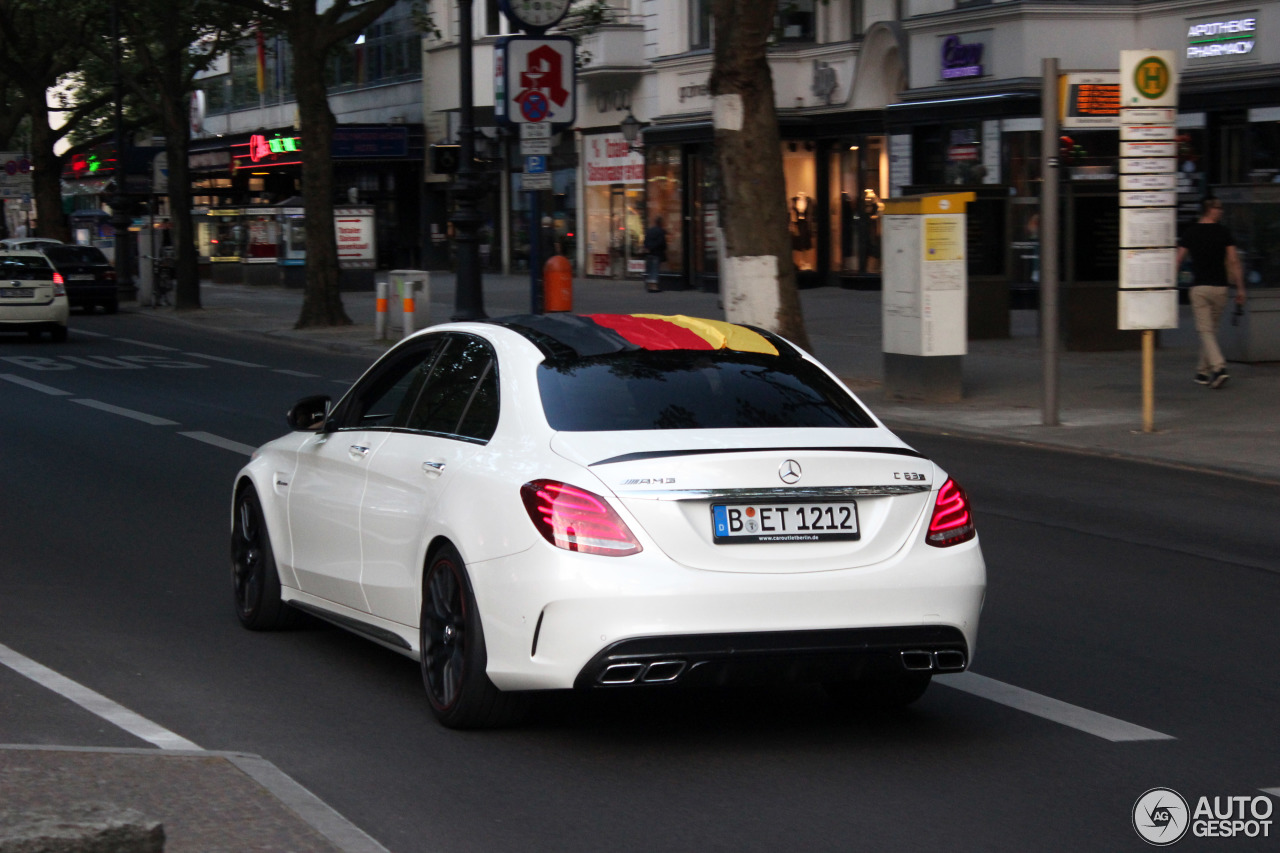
x=412, y=285
x=380, y=311
x=557, y=284
x=409, y=306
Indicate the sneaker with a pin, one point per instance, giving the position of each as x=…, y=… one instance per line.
x=1202, y=379
x=1218, y=378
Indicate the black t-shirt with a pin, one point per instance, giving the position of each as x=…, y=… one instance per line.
x=1207, y=243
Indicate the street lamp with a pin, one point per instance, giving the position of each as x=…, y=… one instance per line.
x=631, y=128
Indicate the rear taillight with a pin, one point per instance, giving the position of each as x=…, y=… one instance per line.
x=577, y=520
x=57, y=278
x=109, y=275
x=952, y=522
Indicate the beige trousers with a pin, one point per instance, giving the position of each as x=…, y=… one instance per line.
x=1207, y=304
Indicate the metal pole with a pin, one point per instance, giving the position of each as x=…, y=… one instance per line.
x=120, y=218
x=1049, y=239
x=467, y=218
x=535, y=253
x=1148, y=380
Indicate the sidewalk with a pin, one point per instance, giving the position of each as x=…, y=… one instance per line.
x=1233, y=430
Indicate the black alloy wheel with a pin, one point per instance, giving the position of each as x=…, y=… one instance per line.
x=453, y=652
x=255, y=580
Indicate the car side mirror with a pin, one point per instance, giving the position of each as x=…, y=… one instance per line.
x=309, y=413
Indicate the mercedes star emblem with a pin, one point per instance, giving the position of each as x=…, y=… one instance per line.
x=789, y=471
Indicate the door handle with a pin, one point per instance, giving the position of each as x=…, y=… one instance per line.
x=358, y=451
x=433, y=466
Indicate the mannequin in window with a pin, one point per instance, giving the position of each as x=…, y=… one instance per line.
x=801, y=235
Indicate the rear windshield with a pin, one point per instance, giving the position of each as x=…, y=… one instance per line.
x=683, y=389
x=75, y=255
x=25, y=269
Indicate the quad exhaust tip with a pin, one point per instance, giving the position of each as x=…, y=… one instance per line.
x=947, y=660
x=637, y=672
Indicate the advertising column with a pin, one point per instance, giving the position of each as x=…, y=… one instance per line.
x=1148, y=204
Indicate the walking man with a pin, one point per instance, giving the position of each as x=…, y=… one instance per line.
x=1214, y=263
x=655, y=253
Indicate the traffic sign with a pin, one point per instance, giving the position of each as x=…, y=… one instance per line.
x=535, y=164
x=535, y=181
x=535, y=80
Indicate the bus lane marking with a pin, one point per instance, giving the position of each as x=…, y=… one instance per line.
x=219, y=441
x=127, y=413
x=94, y=702
x=1046, y=707
x=35, y=386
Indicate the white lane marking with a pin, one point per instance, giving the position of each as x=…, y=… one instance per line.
x=93, y=702
x=1275, y=792
x=1091, y=722
x=346, y=382
x=132, y=342
x=80, y=331
x=221, y=360
x=128, y=413
x=219, y=441
x=298, y=373
x=35, y=386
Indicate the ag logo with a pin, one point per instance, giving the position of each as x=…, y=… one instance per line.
x=1151, y=78
x=1161, y=816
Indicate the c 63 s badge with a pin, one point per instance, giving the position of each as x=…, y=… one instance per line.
x=909, y=475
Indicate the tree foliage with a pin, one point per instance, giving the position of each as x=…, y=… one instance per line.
x=314, y=36
x=39, y=47
x=164, y=45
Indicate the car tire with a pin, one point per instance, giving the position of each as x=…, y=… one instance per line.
x=880, y=694
x=58, y=334
x=255, y=580
x=453, y=657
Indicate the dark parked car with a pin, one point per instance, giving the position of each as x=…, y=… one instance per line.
x=90, y=279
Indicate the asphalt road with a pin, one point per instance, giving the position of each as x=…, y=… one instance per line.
x=1140, y=598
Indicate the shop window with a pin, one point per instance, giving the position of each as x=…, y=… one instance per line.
x=663, y=198
x=699, y=24
x=857, y=22
x=799, y=167
x=857, y=170
x=795, y=20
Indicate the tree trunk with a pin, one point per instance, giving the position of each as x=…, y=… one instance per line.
x=322, y=302
x=46, y=177
x=758, y=281
x=176, y=120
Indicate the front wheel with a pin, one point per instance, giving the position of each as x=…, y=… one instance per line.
x=255, y=581
x=451, y=640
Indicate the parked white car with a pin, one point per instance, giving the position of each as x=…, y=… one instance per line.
x=610, y=502
x=33, y=297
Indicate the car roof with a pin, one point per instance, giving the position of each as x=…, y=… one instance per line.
x=572, y=336
x=24, y=253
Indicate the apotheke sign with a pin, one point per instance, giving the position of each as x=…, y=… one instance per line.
x=1222, y=39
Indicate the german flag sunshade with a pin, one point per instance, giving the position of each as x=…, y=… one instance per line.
x=601, y=334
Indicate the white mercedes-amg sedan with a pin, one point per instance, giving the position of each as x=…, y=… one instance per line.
x=610, y=502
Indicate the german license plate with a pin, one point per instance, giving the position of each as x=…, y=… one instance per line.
x=80, y=276
x=17, y=292
x=784, y=522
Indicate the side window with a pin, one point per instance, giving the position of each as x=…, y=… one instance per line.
x=385, y=399
x=461, y=396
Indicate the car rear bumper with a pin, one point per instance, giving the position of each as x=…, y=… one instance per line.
x=555, y=619
x=781, y=656
x=46, y=316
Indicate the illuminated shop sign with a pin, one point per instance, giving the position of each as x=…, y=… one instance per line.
x=1222, y=39
x=961, y=58
x=262, y=150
